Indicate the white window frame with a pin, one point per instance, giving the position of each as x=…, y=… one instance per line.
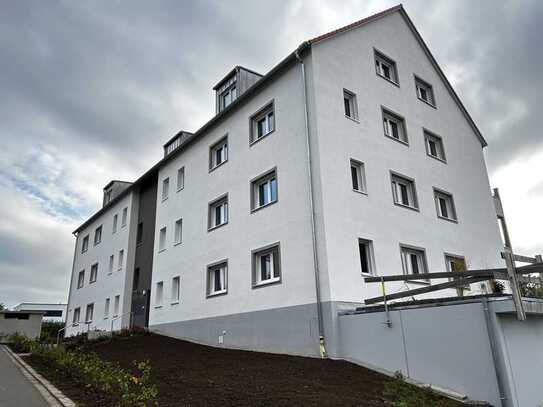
x=115, y=221
x=77, y=316
x=124, y=217
x=178, y=232
x=391, y=119
x=116, y=306
x=162, y=234
x=266, y=181
x=439, y=146
x=406, y=253
x=176, y=289
x=106, y=308
x=120, y=260
x=93, y=273
x=398, y=180
x=273, y=251
x=221, y=148
x=231, y=93
x=111, y=264
x=81, y=279
x=422, y=86
x=180, y=179
x=85, y=244
x=211, y=275
x=267, y=113
x=159, y=294
x=359, y=175
x=450, y=208
x=350, y=102
x=98, y=235
x=370, y=260
x=91, y=308
x=381, y=60
x=165, y=188
x=221, y=202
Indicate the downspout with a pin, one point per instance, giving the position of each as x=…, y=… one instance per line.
x=322, y=347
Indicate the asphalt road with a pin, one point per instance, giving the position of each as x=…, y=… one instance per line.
x=15, y=389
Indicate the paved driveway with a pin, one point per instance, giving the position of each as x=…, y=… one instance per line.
x=15, y=389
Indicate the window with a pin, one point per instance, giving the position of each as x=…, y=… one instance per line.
x=115, y=219
x=121, y=260
x=403, y=191
x=106, y=308
x=180, y=178
x=386, y=67
x=89, y=313
x=98, y=235
x=175, y=290
x=434, y=146
x=455, y=264
x=165, y=188
x=81, y=279
x=178, y=232
x=218, y=153
x=159, y=294
x=425, y=91
x=217, y=279
x=264, y=190
x=218, y=212
x=85, y=244
x=394, y=126
x=358, y=176
x=139, y=233
x=77, y=316
x=111, y=264
x=262, y=123
x=266, y=265
x=116, y=304
x=365, y=250
x=107, y=197
x=350, y=105
x=228, y=96
x=94, y=273
x=444, y=205
x=413, y=260
x=124, y=217
x=162, y=239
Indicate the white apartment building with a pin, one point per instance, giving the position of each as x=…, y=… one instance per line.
x=352, y=157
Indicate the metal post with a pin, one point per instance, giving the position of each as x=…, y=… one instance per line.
x=509, y=259
x=387, y=321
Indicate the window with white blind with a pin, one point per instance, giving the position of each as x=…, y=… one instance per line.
x=403, y=191
x=217, y=278
x=394, y=126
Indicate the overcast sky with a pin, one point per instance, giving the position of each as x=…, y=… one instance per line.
x=91, y=90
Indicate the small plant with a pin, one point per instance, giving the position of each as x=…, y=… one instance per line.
x=402, y=394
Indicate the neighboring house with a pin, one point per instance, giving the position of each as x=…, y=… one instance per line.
x=26, y=323
x=51, y=312
x=352, y=157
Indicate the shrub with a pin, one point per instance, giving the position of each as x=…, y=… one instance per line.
x=49, y=331
x=87, y=368
x=402, y=394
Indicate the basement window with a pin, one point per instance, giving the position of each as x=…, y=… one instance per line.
x=445, y=205
x=266, y=265
x=413, y=260
x=403, y=191
x=365, y=251
x=394, y=126
x=358, y=176
x=262, y=123
x=217, y=277
x=386, y=67
x=350, y=105
x=434, y=146
x=425, y=92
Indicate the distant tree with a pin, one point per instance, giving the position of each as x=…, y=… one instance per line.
x=2, y=306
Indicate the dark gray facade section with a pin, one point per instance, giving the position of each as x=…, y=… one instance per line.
x=143, y=264
x=289, y=330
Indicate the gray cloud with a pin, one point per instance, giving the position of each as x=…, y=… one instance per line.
x=91, y=90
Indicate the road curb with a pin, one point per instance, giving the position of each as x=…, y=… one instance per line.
x=52, y=395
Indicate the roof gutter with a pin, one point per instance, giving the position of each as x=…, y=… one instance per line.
x=322, y=347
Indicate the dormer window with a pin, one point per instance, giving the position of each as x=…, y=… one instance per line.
x=228, y=96
x=227, y=93
x=237, y=81
x=107, y=197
